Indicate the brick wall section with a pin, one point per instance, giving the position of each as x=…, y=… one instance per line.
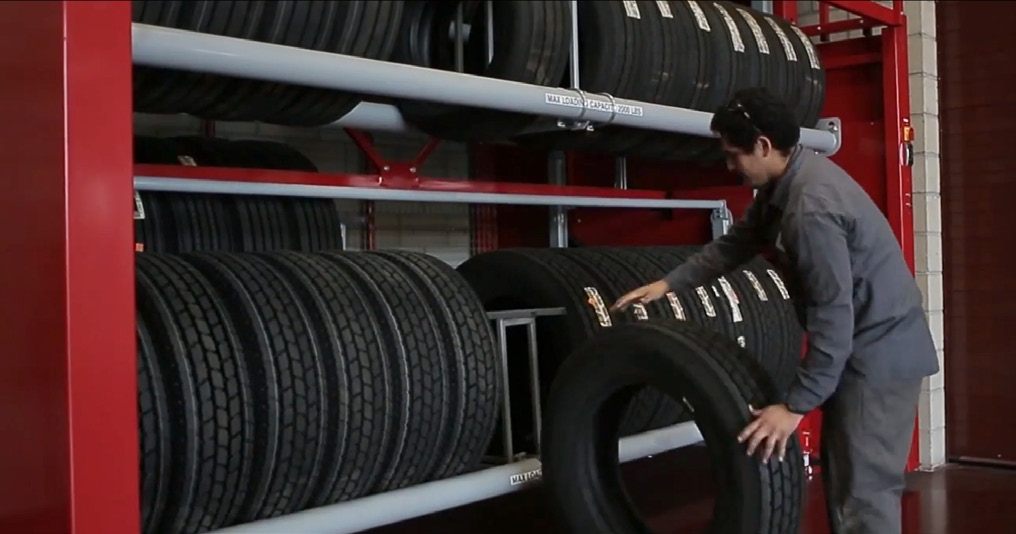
x=435, y=228
x=923, y=69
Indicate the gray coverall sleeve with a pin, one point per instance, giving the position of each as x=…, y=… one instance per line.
x=824, y=268
x=723, y=254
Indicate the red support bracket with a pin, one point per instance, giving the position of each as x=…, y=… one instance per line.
x=840, y=26
x=889, y=16
x=402, y=174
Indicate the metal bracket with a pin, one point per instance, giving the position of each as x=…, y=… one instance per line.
x=721, y=219
x=835, y=127
x=502, y=321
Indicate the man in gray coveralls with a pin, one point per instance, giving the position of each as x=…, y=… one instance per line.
x=869, y=345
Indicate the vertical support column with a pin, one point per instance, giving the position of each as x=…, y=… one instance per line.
x=69, y=456
x=899, y=181
x=557, y=172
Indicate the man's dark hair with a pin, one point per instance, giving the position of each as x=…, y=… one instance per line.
x=755, y=112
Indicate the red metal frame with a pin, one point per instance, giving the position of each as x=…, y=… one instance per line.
x=68, y=371
x=70, y=392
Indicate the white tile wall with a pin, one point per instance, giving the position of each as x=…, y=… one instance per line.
x=923, y=69
x=439, y=229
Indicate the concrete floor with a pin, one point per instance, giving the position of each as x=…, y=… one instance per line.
x=953, y=500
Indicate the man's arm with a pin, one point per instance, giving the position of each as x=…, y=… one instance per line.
x=825, y=270
x=724, y=253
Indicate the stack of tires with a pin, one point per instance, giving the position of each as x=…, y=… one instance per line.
x=692, y=55
x=278, y=381
x=193, y=222
x=750, y=306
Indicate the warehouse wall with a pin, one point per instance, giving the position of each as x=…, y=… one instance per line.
x=923, y=73
x=978, y=107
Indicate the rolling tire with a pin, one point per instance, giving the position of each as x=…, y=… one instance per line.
x=532, y=46
x=473, y=359
x=209, y=421
x=285, y=363
x=580, y=454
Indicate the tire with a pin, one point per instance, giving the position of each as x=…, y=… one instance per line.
x=153, y=428
x=473, y=359
x=532, y=46
x=719, y=381
x=416, y=358
x=357, y=28
x=187, y=222
x=360, y=384
x=209, y=421
x=285, y=363
x=533, y=278
x=621, y=53
x=547, y=278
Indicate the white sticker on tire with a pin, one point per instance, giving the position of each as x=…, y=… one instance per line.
x=631, y=8
x=640, y=312
x=665, y=11
x=787, y=47
x=759, y=290
x=599, y=308
x=809, y=47
x=740, y=341
x=735, y=303
x=735, y=34
x=700, y=16
x=756, y=30
x=779, y=283
x=707, y=303
x=675, y=306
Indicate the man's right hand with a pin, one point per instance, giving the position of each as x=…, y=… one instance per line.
x=642, y=295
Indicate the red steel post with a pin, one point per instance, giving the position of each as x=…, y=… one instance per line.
x=69, y=454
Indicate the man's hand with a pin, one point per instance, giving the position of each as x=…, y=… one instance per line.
x=772, y=427
x=642, y=295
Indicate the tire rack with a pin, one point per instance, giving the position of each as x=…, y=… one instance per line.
x=514, y=472
x=81, y=139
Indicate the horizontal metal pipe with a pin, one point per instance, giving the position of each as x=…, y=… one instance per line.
x=189, y=185
x=399, y=505
x=184, y=50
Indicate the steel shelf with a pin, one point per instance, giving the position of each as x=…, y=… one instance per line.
x=185, y=50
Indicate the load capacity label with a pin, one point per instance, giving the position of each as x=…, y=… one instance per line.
x=572, y=101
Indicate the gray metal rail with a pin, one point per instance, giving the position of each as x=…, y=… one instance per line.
x=185, y=50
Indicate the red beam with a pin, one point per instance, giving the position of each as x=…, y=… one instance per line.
x=839, y=26
x=870, y=10
x=374, y=181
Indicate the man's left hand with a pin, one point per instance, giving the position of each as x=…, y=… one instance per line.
x=771, y=428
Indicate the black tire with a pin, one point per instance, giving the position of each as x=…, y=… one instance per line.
x=153, y=428
x=420, y=424
x=288, y=377
x=530, y=278
x=621, y=53
x=210, y=422
x=718, y=381
x=532, y=46
x=473, y=359
x=360, y=385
